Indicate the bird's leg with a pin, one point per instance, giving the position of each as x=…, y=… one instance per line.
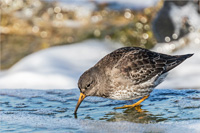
x=133, y=105
x=138, y=109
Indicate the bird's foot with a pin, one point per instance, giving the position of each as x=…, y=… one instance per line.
x=138, y=109
x=127, y=106
x=133, y=105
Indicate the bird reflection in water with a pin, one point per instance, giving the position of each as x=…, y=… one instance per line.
x=136, y=115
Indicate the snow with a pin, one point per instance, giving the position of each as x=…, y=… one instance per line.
x=117, y=4
x=60, y=67
x=57, y=67
x=187, y=74
x=188, y=12
x=47, y=123
x=173, y=127
x=132, y=4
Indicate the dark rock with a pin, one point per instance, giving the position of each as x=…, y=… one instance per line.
x=163, y=26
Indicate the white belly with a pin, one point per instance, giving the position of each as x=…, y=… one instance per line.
x=130, y=91
x=130, y=94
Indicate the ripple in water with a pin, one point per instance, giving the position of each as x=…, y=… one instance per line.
x=42, y=110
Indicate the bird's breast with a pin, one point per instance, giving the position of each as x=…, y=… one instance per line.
x=122, y=89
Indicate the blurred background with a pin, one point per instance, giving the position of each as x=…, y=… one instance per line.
x=45, y=45
x=28, y=26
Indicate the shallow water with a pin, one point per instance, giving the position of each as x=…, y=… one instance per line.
x=26, y=110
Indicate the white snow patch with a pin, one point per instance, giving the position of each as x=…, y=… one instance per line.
x=187, y=74
x=64, y=124
x=132, y=3
x=57, y=67
x=60, y=67
x=188, y=12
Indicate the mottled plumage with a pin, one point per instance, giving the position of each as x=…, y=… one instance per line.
x=127, y=73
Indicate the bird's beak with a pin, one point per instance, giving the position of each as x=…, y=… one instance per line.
x=81, y=98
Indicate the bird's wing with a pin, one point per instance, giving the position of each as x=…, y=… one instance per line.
x=111, y=59
x=140, y=65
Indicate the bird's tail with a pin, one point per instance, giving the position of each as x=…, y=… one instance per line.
x=176, y=60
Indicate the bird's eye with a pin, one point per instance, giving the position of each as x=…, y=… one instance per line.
x=88, y=86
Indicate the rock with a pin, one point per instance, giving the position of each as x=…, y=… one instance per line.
x=174, y=21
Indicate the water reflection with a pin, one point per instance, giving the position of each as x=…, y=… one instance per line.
x=136, y=115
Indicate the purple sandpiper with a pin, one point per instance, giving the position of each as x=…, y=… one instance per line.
x=127, y=73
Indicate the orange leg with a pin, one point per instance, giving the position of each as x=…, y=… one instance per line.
x=133, y=105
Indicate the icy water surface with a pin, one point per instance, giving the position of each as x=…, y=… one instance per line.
x=26, y=110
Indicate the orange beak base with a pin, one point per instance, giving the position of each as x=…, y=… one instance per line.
x=81, y=98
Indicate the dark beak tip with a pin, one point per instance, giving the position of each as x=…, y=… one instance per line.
x=75, y=113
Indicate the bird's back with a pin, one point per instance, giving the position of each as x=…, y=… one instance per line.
x=141, y=65
x=138, y=64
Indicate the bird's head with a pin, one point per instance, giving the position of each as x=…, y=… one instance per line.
x=87, y=84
